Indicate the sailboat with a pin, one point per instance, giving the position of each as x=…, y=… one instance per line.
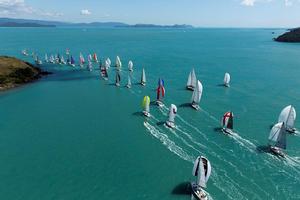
x=24, y=52
x=81, y=60
x=38, y=61
x=62, y=60
x=146, y=106
x=288, y=116
x=118, y=63
x=104, y=73
x=227, y=80
x=129, y=82
x=191, y=83
x=118, y=79
x=202, y=170
x=46, y=58
x=172, y=114
x=51, y=60
x=197, y=94
x=90, y=58
x=277, y=139
x=227, y=123
x=95, y=58
x=130, y=66
x=72, y=61
x=143, y=78
x=160, y=93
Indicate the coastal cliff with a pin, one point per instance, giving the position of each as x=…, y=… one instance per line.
x=292, y=36
x=15, y=72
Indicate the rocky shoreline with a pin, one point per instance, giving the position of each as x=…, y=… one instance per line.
x=15, y=72
x=292, y=36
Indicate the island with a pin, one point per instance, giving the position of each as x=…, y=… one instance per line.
x=292, y=36
x=15, y=72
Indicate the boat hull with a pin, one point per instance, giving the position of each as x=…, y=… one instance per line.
x=190, y=88
x=226, y=85
x=159, y=103
x=227, y=131
x=170, y=124
x=195, y=106
x=128, y=86
x=143, y=84
x=291, y=130
x=198, y=193
x=146, y=114
x=276, y=151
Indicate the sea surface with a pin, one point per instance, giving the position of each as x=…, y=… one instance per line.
x=74, y=136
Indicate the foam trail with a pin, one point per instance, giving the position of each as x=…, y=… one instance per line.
x=168, y=143
x=190, y=137
x=183, y=140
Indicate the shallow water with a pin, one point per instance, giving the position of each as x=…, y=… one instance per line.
x=74, y=136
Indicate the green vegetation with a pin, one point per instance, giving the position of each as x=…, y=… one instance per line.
x=14, y=72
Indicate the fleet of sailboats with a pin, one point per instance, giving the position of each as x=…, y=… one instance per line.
x=201, y=170
x=197, y=94
x=172, y=114
x=227, y=123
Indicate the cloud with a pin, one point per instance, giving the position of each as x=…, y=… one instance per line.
x=248, y=2
x=19, y=7
x=85, y=12
x=253, y=2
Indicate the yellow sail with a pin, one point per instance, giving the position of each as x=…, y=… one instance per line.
x=146, y=101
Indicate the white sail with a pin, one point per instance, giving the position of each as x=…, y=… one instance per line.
x=172, y=113
x=189, y=82
x=118, y=62
x=226, y=79
x=197, y=94
x=46, y=58
x=192, y=80
x=108, y=61
x=288, y=116
x=130, y=65
x=143, y=78
x=278, y=136
x=202, y=169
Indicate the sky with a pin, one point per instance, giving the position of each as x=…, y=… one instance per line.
x=199, y=13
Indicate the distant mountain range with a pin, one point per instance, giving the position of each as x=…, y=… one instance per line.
x=10, y=22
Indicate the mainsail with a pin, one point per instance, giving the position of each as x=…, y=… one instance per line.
x=227, y=79
x=130, y=65
x=129, y=81
x=146, y=104
x=197, y=94
x=191, y=83
x=143, y=78
x=160, y=90
x=202, y=170
x=118, y=62
x=227, y=121
x=277, y=136
x=172, y=113
x=288, y=116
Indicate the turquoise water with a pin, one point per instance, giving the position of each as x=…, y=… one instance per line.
x=74, y=136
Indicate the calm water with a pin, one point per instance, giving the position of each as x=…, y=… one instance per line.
x=73, y=136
